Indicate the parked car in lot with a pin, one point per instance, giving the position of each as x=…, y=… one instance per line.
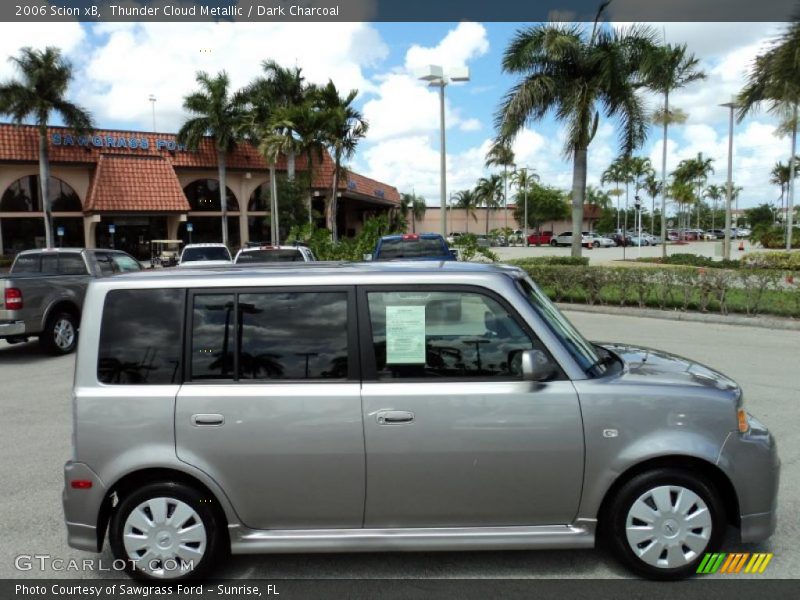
x=715, y=234
x=565, y=239
x=412, y=246
x=201, y=255
x=599, y=241
x=42, y=296
x=384, y=407
x=268, y=254
x=540, y=238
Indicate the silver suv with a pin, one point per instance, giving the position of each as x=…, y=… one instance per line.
x=386, y=407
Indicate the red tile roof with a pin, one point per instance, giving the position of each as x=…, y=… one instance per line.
x=20, y=143
x=135, y=183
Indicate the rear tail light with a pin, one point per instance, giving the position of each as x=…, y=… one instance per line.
x=13, y=299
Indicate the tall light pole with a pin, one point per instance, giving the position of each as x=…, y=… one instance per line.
x=436, y=77
x=726, y=245
x=152, y=100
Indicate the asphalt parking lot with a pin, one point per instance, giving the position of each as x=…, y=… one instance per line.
x=35, y=441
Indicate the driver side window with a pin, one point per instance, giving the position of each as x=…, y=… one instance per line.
x=453, y=334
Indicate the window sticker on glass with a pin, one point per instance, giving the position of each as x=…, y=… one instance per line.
x=405, y=335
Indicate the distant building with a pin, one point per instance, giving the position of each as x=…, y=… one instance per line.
x=149, y=187
x=457, y=220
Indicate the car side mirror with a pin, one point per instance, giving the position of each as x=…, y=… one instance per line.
x=454, y=253
x=537, y=366
x=367, y=257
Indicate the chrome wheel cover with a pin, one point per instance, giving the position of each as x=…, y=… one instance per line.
x=164, y=537
x=668, y=527
x=64, y=334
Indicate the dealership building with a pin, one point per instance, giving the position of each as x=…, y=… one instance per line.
x=126, y=188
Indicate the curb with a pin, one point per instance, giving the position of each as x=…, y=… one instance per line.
x=677, y=315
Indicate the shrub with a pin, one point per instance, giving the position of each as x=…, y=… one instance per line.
x=576, y=261
x=692, y=260
x=469, y=248
x=789, y=261
x=750, y=291
x=773, y=237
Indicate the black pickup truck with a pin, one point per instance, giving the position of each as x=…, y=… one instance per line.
x=42, y=295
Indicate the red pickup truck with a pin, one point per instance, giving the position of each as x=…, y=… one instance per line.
x=540, y=237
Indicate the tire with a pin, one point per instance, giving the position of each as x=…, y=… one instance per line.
x=148, y=549
x=553, y=243
x=60, y=335
x=596, y=244
x=683, y=500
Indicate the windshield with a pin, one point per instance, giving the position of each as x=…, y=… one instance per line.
x=419, y=248
x=264, y=256
x=208, y=253
x=581, y=350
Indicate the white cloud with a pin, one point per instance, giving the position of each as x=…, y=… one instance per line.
x=69, y=36
x=461, y=45
x=134, y=60
x=470, y=125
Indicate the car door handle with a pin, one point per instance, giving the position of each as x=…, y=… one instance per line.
x=207, y=420
x=394, y=417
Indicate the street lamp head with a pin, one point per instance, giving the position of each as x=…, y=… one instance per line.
x=733, y=103
x=431, y=73
x=152, y=98
x=458, y=74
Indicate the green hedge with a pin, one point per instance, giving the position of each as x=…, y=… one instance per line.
x=788, y=261
x=692, y=260
x=576, y=261
x=749, y=291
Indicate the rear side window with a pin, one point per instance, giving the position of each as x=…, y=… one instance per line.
x=141, y=337
x=104, y=263
x=263, y=256
x=124, y=263
x=71, y=264
x=270, y=335
x=27, y=263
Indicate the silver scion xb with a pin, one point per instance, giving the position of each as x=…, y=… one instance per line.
x=385, y=407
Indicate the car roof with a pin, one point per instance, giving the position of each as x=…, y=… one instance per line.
x=268, y=247
x=401, y=236
x=399, y=272
x=206, y=245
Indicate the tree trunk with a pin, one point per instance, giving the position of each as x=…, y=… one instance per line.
x=290, y=165
x=44, y=186
x=223, y=200
x=310, y=184
x=790, y=205
x=578, y=193
x=488, y=210
x=275, y=237
x=331, y=209
x=664, y=179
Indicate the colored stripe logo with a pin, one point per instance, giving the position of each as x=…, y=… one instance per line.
x=735, y=562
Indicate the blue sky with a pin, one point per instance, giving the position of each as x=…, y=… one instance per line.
x=118, y=65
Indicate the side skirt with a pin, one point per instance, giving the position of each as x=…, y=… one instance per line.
x=249, y=541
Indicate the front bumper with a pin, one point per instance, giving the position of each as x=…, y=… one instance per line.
x=751, y=462
x=82, y=507
x=11, y=328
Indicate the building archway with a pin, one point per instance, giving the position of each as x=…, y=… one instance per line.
x=205, y=214
x=22, y=215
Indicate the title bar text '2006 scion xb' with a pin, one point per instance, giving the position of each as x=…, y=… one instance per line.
x=393, y=406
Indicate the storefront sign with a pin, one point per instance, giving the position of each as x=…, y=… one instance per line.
x=115, y=141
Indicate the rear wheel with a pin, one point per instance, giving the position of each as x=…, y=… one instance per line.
x=663, y=522
x=165, y=531
x=553, y=243
x=60, y=335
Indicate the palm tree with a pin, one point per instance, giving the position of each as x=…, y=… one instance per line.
x=309, y=124
x=639, y=169
x=344, y=128
x=780, y=175
x=597, y=197
x=490, y=194
x=774, y=79
x=618, y=172
x=653, y=188
x=287, y=89
x=576, y=73
x=696, y=170
x=714, y=193
x=467, y=200
x=669, y=68
x=523, y=178
x=220, y=115
x=501, y=155
x=415, y=204
x=42, y=92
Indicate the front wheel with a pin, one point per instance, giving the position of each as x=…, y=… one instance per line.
x=553, y=243
x=60, y=335
x=663, y=522
x=165, y=531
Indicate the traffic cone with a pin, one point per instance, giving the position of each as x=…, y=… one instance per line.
x=741, y=246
